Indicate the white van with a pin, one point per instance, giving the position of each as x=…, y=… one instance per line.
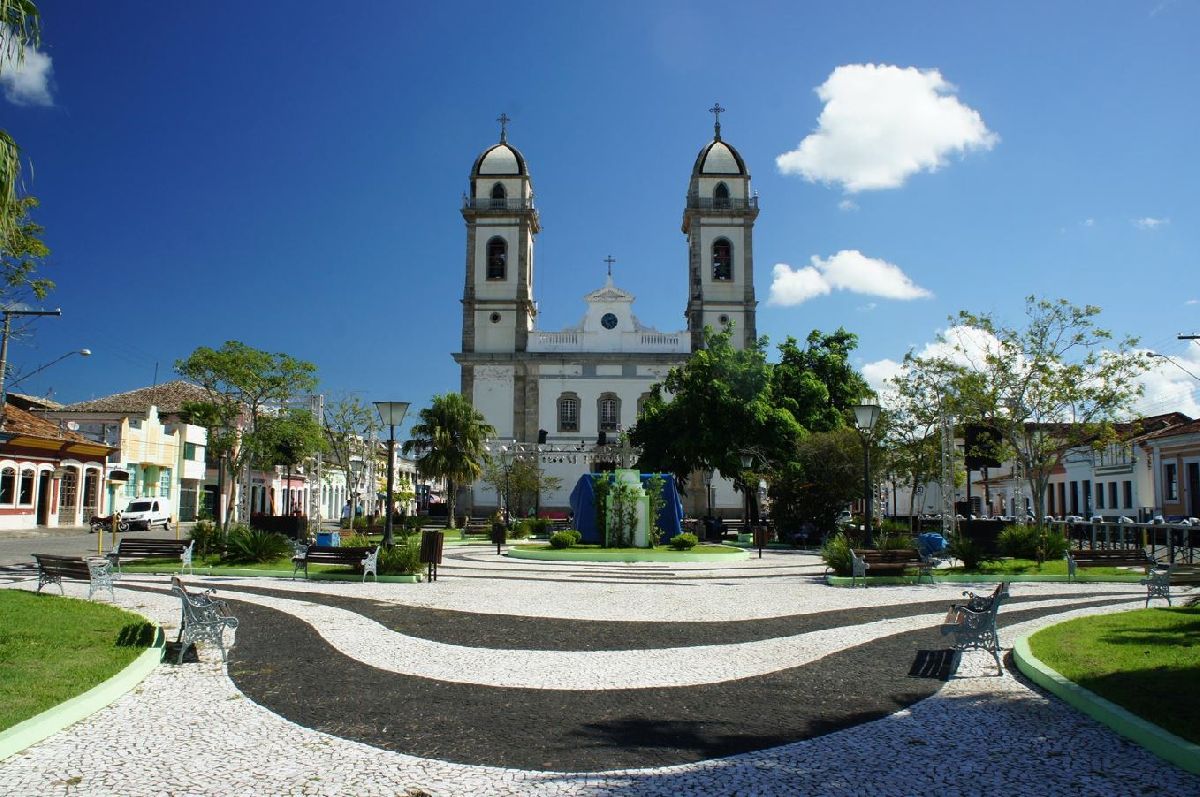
x=146, y=513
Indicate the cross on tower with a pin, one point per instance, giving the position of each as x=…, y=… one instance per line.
x=716, y=111
x=610, y=260
x=503, y=119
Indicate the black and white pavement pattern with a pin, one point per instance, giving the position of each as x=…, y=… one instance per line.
x=511, y=677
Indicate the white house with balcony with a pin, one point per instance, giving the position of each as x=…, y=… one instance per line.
x=567, y=394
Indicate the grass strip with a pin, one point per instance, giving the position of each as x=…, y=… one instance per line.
x=717, y=550
x=1146, y=661
x=54, y=648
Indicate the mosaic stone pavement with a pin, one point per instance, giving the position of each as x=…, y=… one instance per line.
x=512, y=677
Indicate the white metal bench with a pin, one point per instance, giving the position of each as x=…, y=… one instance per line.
x=203, y=618
x=973, y=623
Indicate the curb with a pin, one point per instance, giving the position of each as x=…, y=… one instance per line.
x=33, y=730
x=566, y=555
x=1179, y=752
x=986, y=578
x=234, y=572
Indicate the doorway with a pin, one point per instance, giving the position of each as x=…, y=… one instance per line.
x=43, y=498
x=1193, y=488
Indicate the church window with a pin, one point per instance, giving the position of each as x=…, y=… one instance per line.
x=641, y=404
x=498, y=196
x=497, y=259
x=568, y=412
x=722, y=259
x=721, y=197
x=609, y=410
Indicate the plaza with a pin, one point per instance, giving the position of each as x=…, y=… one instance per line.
x=516, y=677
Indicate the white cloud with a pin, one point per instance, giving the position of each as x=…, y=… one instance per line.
x=1192, y=301
x=868, y=307
x=1149, y=223
x=880, y=372
x=1168, y=387
x=881, y=124
x=26, y=81
x=1089, y=222
x=959, y=344
x=848, y=270
x=847, y=205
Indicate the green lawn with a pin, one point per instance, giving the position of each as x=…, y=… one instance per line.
x=718, y=550
x=1146, y=661
x=214, y=563
x=1029, y=567
x=53, y=648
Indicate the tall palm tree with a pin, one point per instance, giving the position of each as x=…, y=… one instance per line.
x=450, y=443
x=21, y=27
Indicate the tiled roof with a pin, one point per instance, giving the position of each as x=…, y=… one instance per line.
x=168, y=397
x=19, y=422
x=1187, y=428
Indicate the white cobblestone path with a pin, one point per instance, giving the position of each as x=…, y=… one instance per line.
x=189, y=731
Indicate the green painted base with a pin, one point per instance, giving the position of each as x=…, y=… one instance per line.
x=568, y=555
x=51, y=721
x=239, y=572
x=1179, y=752
x=980, y=578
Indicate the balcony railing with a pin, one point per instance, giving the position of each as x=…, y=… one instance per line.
x=721, y=203
x=502, y=204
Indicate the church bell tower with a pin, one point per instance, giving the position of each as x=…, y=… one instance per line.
x=719, y=224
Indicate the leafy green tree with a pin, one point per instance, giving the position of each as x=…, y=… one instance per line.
x=21, y=253
x=349, y=428
x=20, y=27
x=711, y=410
x=523, y=483
x=288, y=439
x=244, y=386
x=825, y=474
x=817, y=384
x=449, y=443
x=1058, y=382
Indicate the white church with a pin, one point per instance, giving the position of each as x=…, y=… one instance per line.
x=565, y=396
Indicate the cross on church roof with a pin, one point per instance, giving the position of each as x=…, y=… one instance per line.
x=716, y=111
x=610, y=260
x=503, y=119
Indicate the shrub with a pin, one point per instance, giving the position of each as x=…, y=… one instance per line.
x=245, y=545
x=207, y=537
x=519, y=530
x=402, y=559
x=360, y=522
x=895, y=542
x=1031, y=542
x=836, y=553
x=576, y=535
x=562, y=539
x=684, y=542
x=357, y=541
x=539, y=526
x=968, y=551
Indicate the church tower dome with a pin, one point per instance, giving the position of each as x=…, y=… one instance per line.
x=718, y=220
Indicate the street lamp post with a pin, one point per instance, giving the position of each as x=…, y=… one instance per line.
x=8, y=315
x=708, y=477
x=392, y=414
x=506, y=458
x=865, y=418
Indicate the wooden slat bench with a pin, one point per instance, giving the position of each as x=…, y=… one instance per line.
x=365, y=558
x=1158, y=582
x=973, y=624
x=203, y=617
x=1110, y=557
x=886, y=563
x=95, y=570
x=132, y=548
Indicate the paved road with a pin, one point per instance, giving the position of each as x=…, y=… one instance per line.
x=17, y=547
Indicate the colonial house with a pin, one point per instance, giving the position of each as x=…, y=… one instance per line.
x=155, y=453
x=49, y=476
x=1175, y=461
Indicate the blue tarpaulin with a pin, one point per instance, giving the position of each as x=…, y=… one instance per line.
x=931, y=543
x=583, y=504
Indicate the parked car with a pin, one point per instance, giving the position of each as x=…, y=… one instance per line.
x=146, y=513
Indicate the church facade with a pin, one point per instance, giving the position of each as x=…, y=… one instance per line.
x=564, y=396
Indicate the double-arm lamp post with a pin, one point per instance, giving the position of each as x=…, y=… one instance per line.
x=865, y=418
x=392, y=414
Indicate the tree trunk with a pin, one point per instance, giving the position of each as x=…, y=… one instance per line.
x=450, y=503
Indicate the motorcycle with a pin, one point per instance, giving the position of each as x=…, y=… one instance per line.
x=103, y=523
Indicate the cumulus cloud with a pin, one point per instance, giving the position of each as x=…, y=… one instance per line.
x=959, y=344
x=847, y=205
x=881, y=124
x=848, y=270
x=1149, y=223
x=1169, y=387
x=25, y=75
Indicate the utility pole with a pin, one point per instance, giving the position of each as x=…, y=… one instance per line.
x=8, y=314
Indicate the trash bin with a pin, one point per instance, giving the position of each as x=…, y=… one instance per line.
x=329, y=538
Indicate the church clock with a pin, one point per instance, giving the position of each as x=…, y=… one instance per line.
x=608, y=321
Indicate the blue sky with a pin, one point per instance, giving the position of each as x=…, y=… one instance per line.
x=290, y=176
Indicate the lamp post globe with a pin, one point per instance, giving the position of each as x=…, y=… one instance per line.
x=392, y=414
x=865, y=418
